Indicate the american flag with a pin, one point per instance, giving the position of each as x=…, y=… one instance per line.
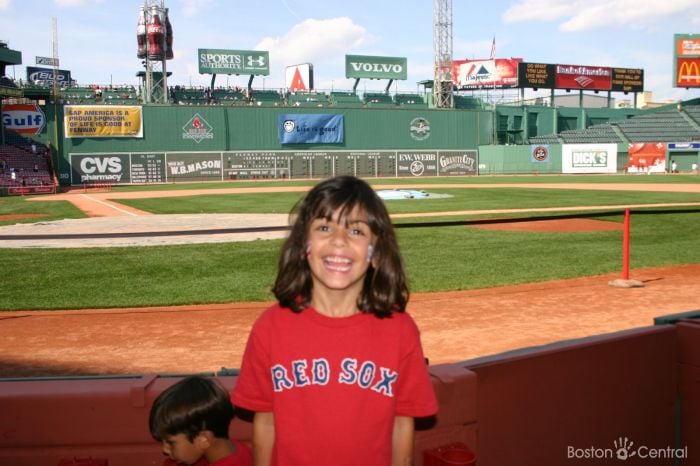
x=493, y=48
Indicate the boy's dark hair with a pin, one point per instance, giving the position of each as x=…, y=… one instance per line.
x=385, y=289
x=190, y=406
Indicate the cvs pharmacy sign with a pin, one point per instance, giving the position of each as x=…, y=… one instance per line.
x=24, y=119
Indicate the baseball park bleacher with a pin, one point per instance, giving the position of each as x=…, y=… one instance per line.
x=667, y=125
x=25, y=167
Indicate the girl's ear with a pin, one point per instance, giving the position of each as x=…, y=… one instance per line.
x=372, y=256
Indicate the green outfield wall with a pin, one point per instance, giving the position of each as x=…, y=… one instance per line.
x=207, y=143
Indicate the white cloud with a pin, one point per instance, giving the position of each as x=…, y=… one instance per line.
x=75, y=3
x=5, y=4
x=582, y=15
x=194, y=7
x=315, y=40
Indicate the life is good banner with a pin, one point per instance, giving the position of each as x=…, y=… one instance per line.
x=311, y=128
x=102, y=121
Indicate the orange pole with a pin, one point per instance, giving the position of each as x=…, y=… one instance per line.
x=626, y=247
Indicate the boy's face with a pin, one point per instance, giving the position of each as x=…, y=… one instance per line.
x=179, y=448
x=339, y=252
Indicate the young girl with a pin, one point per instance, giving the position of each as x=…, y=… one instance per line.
x=335, y=371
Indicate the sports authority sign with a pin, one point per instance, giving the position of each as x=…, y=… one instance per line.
x=219, y=61
x=374, y=67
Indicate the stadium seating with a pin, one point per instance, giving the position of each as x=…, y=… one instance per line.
x=25, y=167
x=410, y=100
x=307, y=99
x=655, y=126
x=265, y=98
x=378, y=99
x=345, y=99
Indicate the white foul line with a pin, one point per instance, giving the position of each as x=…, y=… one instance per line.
x=110, y=205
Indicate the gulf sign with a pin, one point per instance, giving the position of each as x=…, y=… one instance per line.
x=26, y=119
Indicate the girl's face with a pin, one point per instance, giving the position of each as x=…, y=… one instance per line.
x=339, y=252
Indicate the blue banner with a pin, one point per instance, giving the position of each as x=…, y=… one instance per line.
x=310, y=128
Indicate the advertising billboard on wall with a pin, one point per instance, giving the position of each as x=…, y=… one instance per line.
x=686, y=60
x=103, y=121
x=646, y=157
x=220, y=61
x=45, y=76
x=25, y=119
x=375, y=67
x=582, y=77
x=299, y=77
x=499, y=73
x=589, y=158
x=578, y=77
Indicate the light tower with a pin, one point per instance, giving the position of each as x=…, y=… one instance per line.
x=442, y=51
x=154, y=35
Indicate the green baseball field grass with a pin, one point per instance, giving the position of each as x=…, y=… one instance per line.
x=438, y=258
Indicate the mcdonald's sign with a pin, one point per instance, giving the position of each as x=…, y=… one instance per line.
x=688, y=72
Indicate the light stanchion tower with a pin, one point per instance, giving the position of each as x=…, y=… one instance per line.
x=154, y=35
x=442, y=50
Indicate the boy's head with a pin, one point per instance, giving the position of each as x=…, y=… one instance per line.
x=187, y=415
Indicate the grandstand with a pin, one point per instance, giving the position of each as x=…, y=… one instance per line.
x=667, y=124
x=25, y=167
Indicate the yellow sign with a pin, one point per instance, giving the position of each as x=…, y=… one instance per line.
x=103, y=121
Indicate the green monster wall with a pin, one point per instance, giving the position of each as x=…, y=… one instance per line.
x=166, y=129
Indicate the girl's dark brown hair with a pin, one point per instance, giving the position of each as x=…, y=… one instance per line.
x=385, y=289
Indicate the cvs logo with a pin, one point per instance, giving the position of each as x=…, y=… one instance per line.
x=101, y=165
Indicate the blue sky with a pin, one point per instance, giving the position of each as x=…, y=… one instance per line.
x=97, y=43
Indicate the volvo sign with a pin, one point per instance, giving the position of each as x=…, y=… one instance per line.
x=373, y=67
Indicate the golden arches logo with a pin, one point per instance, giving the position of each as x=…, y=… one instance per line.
x=688, y=73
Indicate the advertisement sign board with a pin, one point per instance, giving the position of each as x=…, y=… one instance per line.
x=374, y=67
x=103, y=121
x=299, y=77
x=45, y=76
x=583, y=77
x=646, y=157
x=589, y=158
x=220, y=61
x=499, y=73
x=310, y=128
x=686, y=60
x=25, y=119
x=47, y=61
